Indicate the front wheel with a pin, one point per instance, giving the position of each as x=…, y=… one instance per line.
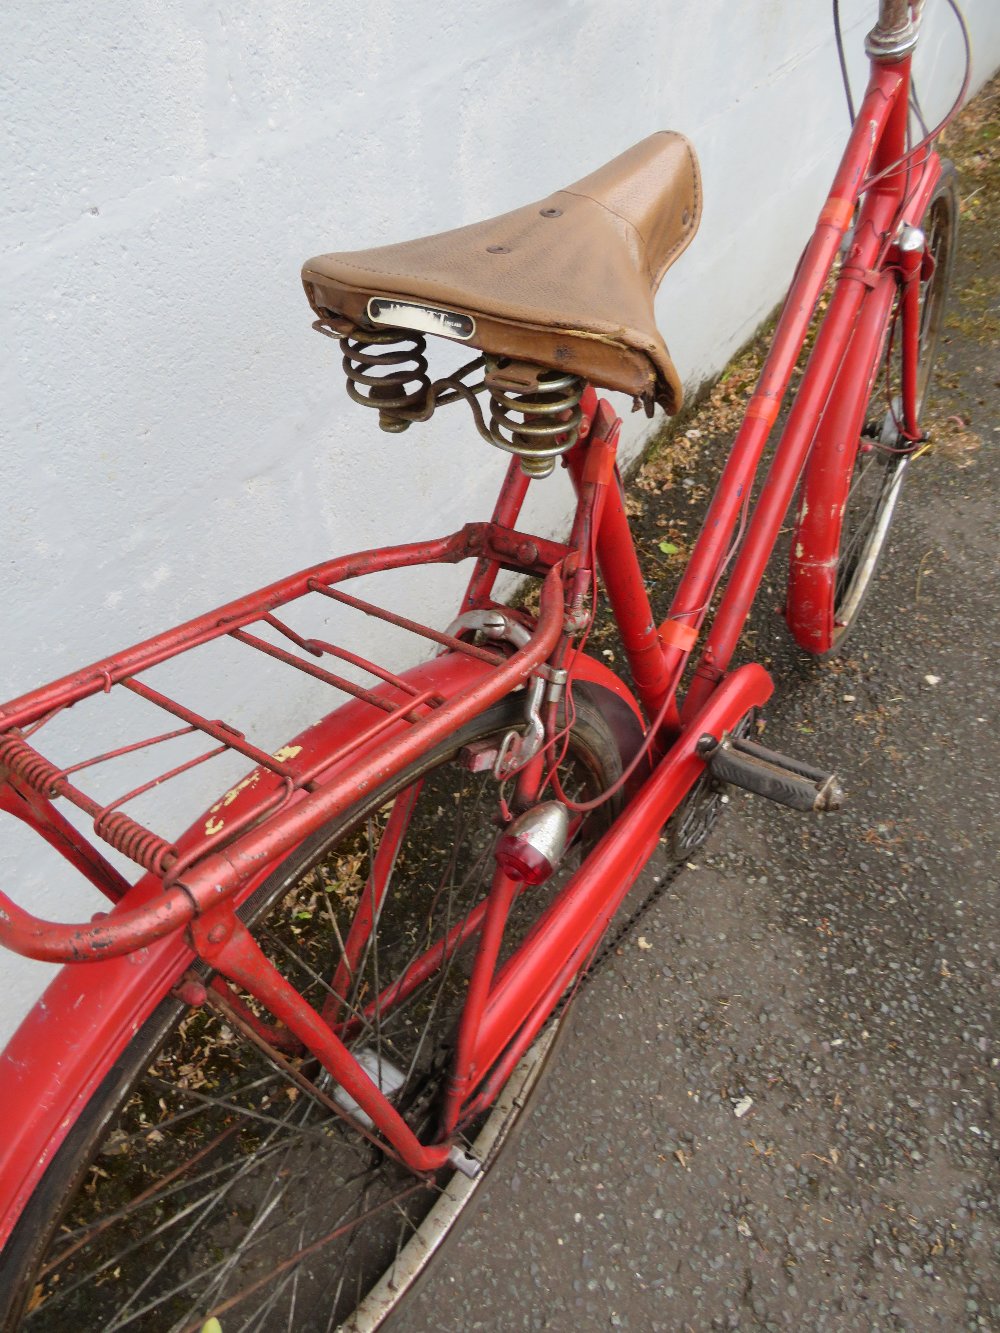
x=210, y=1174
x=848, y=504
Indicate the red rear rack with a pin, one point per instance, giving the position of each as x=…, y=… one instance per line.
x=289, y=794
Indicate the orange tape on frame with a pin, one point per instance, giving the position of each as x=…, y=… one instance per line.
x=764, y=407
x=837, y=213
x=675, y=634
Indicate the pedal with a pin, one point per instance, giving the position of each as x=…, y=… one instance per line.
x=742, y=763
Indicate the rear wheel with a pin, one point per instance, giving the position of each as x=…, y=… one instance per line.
x=859, y=500
x=210, y=1174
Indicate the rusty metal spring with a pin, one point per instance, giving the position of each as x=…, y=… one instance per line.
x=21, y=760
x=139, y=844
x=379, y=378
x=114, y=826
x=551, y=421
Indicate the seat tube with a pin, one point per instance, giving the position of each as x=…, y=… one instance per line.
x=619, y=565
x=505, y=512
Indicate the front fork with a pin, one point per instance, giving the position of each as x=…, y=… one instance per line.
x=915, y=264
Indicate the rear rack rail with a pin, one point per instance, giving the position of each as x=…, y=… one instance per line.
x=396, y=720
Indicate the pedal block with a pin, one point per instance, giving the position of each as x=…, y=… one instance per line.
x=742, y=763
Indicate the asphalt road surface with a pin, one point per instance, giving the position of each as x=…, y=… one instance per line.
x=840, y=972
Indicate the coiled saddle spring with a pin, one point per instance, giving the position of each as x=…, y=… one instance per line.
x=548, y=403
x=534, y=412
x=380, y=378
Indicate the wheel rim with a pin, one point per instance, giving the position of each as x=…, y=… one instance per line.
x=422, y=1246
x=874, y=491
x=217, y=1182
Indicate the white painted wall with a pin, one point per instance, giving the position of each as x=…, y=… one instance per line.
x=173, y=432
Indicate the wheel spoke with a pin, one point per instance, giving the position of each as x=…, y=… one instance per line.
x=232, y=1178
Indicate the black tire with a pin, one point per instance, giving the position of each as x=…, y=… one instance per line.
x=267, y=1187
x=880, y=465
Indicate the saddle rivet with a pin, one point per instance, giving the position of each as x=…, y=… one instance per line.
x=551, y=212
x=498, y=249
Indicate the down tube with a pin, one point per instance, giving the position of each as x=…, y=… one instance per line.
x=812, y=400
x=693, y=595
x=816, y=541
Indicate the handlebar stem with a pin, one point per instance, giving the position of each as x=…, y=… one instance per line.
x=895, y=35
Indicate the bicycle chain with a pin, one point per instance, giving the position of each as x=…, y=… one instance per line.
x=635, y=916
x=704, y=800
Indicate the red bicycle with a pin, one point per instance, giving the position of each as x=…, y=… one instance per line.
x=274, y=1068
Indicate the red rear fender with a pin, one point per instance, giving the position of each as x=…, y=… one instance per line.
x=72, y=1036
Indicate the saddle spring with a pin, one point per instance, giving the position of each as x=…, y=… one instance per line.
x=534, y=412
x=379, y=378
x=548, y=401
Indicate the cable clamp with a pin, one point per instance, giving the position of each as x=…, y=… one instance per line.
x=869, y=277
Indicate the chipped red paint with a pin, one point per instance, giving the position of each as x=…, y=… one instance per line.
x=71, y=1038
x=191, y=885
x=185, y=906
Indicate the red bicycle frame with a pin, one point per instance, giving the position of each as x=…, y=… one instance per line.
x=186, y=904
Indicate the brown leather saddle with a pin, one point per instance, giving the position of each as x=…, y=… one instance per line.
x=566, y=283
